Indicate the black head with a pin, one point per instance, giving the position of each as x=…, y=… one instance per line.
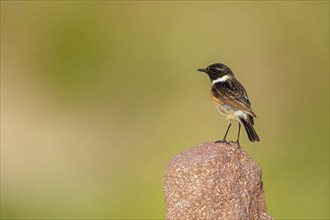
x=216, y=71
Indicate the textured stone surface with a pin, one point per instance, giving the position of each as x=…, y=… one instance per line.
x=214, y=181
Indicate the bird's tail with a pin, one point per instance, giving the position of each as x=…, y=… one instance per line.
x=252, y=134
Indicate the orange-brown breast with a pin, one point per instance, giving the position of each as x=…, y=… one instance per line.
x=215, y=100
x=223, y=108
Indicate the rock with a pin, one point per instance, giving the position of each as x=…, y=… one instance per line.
x=214, y=181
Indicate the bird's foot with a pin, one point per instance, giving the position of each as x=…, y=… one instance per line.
x=237, y=142
x=222, y=141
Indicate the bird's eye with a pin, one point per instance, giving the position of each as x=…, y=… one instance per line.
x=214, y=69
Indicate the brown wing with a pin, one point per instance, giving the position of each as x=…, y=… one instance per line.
x=232, y=93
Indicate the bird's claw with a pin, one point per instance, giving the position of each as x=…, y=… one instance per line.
x=222, y=141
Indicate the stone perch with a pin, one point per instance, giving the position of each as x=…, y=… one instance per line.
x=214, y=181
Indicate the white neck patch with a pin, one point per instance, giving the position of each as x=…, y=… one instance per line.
x=221, y=79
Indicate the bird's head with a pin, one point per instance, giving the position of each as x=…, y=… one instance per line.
x=217, y=71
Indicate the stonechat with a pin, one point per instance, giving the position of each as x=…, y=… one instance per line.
x=231, y=99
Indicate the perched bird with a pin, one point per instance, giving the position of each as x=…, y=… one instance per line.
x=231, y=99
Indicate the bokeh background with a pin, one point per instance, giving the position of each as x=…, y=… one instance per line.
x=96, y=97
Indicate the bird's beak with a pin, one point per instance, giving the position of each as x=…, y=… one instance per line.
x=202, y=70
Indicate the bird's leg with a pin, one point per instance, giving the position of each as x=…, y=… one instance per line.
x=224, y=138
x=239, y=130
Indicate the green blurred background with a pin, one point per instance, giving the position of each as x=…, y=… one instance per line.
x=96, y=97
